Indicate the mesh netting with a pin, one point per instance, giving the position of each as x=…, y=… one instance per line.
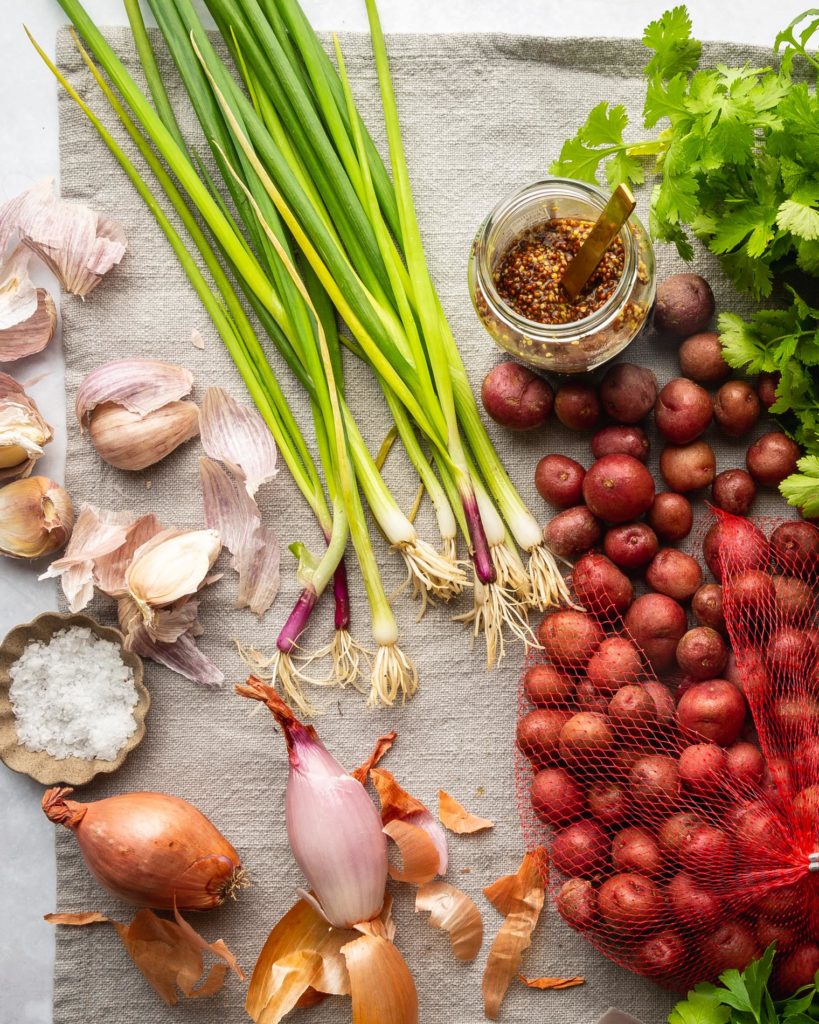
x=679, y=807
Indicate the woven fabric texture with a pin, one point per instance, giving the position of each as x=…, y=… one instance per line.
x=482, y=115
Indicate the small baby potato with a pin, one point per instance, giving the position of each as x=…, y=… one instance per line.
x=701, y=653
x=766, y=385
x=631, y=546
x=701, y=358
x=621, y=440
x=684, y=306
x=628, y=392
x=516, y=397
x=657, y=623
x=706, y=605
x=736, y=408
x=569, y=637
x=571, y=532
x=618, y=488
x=734, y=491
x=772, y=458
x=688, y=467
x=559, y=479
x=675, y=574
x=577, y=405
x=671, y=516
x=683, y=411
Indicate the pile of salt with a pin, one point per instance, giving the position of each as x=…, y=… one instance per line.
x=74, y=696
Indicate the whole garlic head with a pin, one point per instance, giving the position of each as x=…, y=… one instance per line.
x=133, y=412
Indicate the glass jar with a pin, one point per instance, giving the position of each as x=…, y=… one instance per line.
x=580, y=345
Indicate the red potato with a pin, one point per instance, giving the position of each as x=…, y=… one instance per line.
x=766, y=385
x=662, y=955
x=621, y=440
x=702, y=768
x=736, y=408
x=688, y=467
x=629, y=902
x=806, y=758
x=673, y=831
x=635, y=849
x=657, y=623
x=714, y=710
x=806, y=805
x=745, y=765
x=571, y=532
x=559, y=479
x=738, y=545
x=618, y=488
x=778, y=779
x=654, y=783
x=516, y=397
x=665, y=707
x=784, y=902
x=772, y=458
x=585, y=737
x=546, y=687
x=556, y=797
x=734, y=491
x=608, y=803
x=796, y=969
x=628, y=392
x=684, y=305
x=675, y=574
x=707, y=854
x=683, y=411
x=600, y=585
x=796, y=546
x=569, y=637
x=633, y=713
x=580, y=849
x=671, y=516
x=701, y=358
x=577, y=406
x=752, y=824
x=589, y=698
x=538, y=734
x=750, y=677
x=794, y=715
x=730, y=944
x=795, y=602
x=577, y=903
x=783, y=935
x=615, y=663
x=630, y=546
x=701, y=653
x=706, y=604
x=752, y=592
x=790, y=653
x=693, y=906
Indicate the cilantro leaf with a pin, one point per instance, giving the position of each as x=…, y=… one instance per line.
x=802, y=488
x=701, y=1007
x=604, y=125
x=670, y=39
x=800, y=214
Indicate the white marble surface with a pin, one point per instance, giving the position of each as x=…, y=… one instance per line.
x=28, y=152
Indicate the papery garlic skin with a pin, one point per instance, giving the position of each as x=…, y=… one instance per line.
x=335, y=833
x=23, y=431
x=28, y=316
x=126, y=440
x=36, y=517
x=170, y=566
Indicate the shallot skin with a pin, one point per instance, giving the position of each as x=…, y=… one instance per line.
x=150, y=849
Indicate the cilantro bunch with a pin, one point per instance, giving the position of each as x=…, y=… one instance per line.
x=738, y=163
x=735, y=164
x=744, y=998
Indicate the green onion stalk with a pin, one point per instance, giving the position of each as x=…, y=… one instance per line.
x=264, y=389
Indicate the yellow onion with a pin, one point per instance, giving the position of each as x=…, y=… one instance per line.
x=36, y=517
x=151, y=849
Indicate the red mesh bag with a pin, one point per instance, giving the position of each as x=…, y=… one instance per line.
x=680, y=811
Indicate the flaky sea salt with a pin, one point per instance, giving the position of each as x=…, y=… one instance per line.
x=74, y=696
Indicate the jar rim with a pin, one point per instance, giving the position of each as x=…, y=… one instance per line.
x=537, y=192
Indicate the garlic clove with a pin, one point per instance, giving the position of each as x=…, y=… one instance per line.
x=140, y=385
x=36, y=517
x=170, y=566
x=79, y=245
x=110, y=568
x=238, y=436
x=130, y=441
x=23, y=431
x=28, y=316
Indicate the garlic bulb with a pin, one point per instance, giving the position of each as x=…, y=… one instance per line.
x=133, y=411
x=36, y=517
x=170, y=566
x=129, y=441
x=23, y=431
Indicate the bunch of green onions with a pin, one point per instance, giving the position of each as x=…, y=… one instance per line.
x=308, y=223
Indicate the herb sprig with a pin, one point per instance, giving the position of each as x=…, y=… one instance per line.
x=744, y=998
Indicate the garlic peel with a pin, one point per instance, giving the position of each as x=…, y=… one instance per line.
x=133, y=441
x=36, y=517
x=169, y=566
x=139, y=385
x=23, y=431
x=238, y=436
x=79, y=245
x=255, y=548
x=18, y=294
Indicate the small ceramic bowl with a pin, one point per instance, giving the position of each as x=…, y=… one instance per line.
x=74, y=771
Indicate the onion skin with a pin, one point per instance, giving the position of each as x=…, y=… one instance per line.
x=150, y=849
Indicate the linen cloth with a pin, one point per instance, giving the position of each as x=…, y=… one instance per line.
x=482, y=115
